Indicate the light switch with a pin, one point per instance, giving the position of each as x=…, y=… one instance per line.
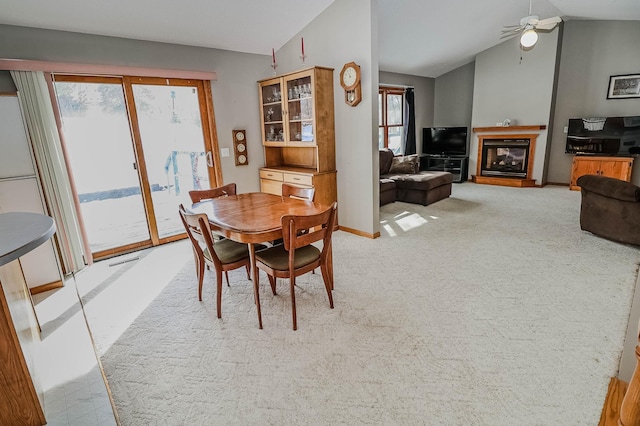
x=566, y=129
x=224, y=152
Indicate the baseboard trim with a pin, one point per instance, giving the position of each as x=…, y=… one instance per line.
x=557, y=184
x=359, y=233
x=46, y=287
x=611, y=408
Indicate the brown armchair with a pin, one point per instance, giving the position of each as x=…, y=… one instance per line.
x=610, y=208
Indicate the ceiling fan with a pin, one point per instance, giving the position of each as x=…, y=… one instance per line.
x=527, y=28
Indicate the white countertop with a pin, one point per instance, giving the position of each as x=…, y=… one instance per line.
x=21, y=232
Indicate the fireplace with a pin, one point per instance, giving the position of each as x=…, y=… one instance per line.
x=507, y=158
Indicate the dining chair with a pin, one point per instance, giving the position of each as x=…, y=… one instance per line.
x=298, y=192
x=223, y=255
x=292, y=191
x=198, y=195
x=297, y=256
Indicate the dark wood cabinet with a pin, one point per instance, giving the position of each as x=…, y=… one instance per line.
x=457, y=165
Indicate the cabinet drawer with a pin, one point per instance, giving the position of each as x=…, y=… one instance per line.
x=269, y=174
x=271, y=186
x=298, y=179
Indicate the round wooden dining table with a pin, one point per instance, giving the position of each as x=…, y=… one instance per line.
x=252, y=218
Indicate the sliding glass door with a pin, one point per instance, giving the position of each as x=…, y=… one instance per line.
x=136, y=147
x=102, y=160
x=170, y=120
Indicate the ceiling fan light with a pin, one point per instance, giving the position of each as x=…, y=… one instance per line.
x=529, y=38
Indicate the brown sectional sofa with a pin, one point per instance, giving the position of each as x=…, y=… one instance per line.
x=405, y=182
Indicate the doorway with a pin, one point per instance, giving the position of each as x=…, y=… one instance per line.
x=136, y=147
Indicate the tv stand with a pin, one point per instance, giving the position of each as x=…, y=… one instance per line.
x=457, y=165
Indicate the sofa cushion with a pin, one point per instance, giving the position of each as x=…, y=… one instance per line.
x=386, y=157
x=424, y=180
x=387, y=184
x=405, y=164
x=387, y=191
x=609, y=187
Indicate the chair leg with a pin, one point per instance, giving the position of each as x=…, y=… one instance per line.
x=248, y=272
x=330, y=264
x=200, y=272
x=328, y=282
x=292, y=281
x=226, y=274
x=219, y=292
x=272, y=281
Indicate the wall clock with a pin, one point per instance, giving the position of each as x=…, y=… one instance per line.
x=350, y=82
x=240, y=147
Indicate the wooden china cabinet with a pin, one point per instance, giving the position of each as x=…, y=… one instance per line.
x=298, y=132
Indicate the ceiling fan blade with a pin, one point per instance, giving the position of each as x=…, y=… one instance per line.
x=509, y=35
x=549, y=23
x=512, y=30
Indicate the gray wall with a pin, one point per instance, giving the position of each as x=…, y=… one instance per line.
x=510, y=83
x=454, y=97
x=235, y=92
x=6, y=83
x=352, y=37
x=592, y=51
x=453, y=101
x=423, y=95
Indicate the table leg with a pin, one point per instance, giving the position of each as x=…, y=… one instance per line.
x=256, y=275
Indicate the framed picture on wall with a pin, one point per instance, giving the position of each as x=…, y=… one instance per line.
x=624, y=86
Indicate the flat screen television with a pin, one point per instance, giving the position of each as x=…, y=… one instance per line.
x=444, y=140
x=604, y=136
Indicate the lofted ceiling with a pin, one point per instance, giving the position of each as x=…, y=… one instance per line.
x=419, y=37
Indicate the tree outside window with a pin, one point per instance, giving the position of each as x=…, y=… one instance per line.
x=391, y=119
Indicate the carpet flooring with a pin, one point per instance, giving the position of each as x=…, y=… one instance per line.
x=491, y=307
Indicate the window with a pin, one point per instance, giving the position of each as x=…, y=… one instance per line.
x=391, y=119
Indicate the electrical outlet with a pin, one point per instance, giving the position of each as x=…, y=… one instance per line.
x=224, y=152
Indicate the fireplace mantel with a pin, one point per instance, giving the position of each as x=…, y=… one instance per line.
x=509, y=128
x=521, y=182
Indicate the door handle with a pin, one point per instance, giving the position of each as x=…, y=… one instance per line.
x=135, y=166
x=209, y=159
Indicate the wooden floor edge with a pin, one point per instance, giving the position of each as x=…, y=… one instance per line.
x=612, y=402
x=46, y=287
x=98, y=360
x=359, y=233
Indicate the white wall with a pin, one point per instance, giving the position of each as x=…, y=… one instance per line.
x=511, y=83
x=235, y=92
x=423, y=95
x=347, y=31
x=592, y=51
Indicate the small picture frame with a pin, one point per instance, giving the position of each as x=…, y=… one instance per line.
x=624, y=86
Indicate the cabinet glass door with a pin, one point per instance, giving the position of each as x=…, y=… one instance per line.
x=300, y=110
x=271, y=100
